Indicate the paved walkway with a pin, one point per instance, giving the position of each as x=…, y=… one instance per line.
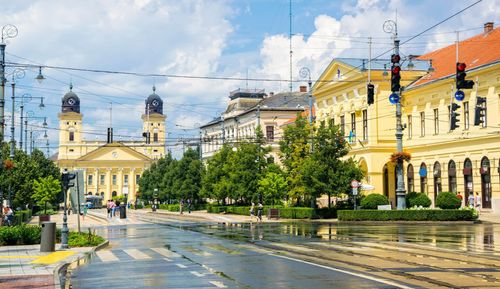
x=26, y=267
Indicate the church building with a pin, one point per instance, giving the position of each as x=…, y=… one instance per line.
x=111, y=168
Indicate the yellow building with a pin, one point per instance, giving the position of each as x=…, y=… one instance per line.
x=110, y=168
x=463, y=160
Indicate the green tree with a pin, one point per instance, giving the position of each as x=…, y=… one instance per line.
x=215, y=183
x=273, y=187
x=45, y=190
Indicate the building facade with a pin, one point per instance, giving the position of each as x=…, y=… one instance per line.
x=463, y=160
x=247, y=109
x=110, y=168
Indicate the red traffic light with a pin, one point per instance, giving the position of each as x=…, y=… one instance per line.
x=461, y=66
x=396, y=69
x=395, y=58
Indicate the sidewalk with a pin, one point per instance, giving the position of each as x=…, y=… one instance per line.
x=26, y=267
x=489, y=217
x=85, y=222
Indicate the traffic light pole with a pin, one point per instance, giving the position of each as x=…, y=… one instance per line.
x=65, y=230
x=400, y=188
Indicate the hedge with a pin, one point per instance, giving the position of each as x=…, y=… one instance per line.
x=20, y=235
x=372, y=201
x=407, y=215
x=21, y=217
x=285, y=213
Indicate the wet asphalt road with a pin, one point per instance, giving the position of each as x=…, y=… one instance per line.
x=190, y=255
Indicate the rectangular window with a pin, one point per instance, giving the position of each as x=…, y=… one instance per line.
x=101, y=179
x=410, y=127
x=270, y=133
x=483, y=118
x=466, y=115
x=422, y=123
x=125, y=180
x=342, y=125
x=71, y=136
x=353, y=123
x=114, y=180
x=137, y=177
x=89, y=180
x=436, y=121
x=332, y=121
x=155, y=137
x=365, y=124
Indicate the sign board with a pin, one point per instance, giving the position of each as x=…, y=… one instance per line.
x=77, y=191
x=384, y=207
x=354, y=191
x=354, y=184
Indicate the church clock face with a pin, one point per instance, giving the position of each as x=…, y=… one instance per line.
x=155, y=103
x=71, y=101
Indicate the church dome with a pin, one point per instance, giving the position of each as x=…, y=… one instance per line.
x=154, y=104
x=70, y=101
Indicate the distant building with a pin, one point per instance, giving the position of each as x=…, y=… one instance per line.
x=110, y=168
x=248, y=109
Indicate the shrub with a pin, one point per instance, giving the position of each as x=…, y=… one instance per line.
x=407, y=215
x=372, y=201
x=421, y=199
x=20, y=235
x=326, y=213
x=49, y=212
x=410, y=196
x=447, y=200
x=76, y=239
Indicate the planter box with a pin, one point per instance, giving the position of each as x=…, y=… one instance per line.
x=43, y=218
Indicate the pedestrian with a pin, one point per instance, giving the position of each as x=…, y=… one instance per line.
x=9, y=216
x=113, y=208
x=189, y=205
x=477, y=201
x=181, y=204
x=471, y=200
x=252, y=211
x=460, y=197
x=108, y=208
x=85, y=207
x=259, y=212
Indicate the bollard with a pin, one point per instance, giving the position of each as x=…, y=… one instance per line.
x=48, y=240
x=123, y=211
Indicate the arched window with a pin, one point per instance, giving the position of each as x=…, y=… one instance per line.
x=437, y=180
x=102, y=195
x=468, y=182
x=155, y=135
x=410, y=178
x=422, y=172
x=452, y=176
x=71, y=134
x=113, y=194
x=485, y=183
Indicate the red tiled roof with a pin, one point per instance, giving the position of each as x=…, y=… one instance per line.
x=305, y=113
x=474, y=52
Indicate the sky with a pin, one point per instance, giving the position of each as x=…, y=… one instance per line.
x=211, y=38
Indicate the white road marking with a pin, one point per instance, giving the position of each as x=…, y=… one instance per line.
x=106, y=256
x=136, y=254
x=197, y=274
x=218, y=284
x=167, y=259
x=383, y=281
x=165, y=252
x=181, y=266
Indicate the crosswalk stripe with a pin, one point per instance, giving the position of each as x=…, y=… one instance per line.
x=181, y=266
x=136, y=254
x=165, y=252
x=218, y=284
x=106, y=256
x=197, y=274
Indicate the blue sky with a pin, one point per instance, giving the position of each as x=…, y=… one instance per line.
x=204, y=38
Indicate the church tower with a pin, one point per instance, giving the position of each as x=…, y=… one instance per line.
x=153, y=121
x=70, y=126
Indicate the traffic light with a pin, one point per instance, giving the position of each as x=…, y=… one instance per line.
x=454, y=116
x=395, y=73
x=480, y=110
x=370, y=93
x=460, y=77
x=66, y=178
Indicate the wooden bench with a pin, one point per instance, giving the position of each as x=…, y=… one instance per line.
x=273, y=213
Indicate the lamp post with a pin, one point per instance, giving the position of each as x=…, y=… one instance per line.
x=26, y=98
x=306, y=73
x=392, y=28
x=33, y=135
x=8, y=31
x=30, y=115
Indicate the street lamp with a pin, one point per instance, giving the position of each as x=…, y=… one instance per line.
x=392, y=28
x=33, y=135
x=30, y=115
x=26, y=98
x=8, y=31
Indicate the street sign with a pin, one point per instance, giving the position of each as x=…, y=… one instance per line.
x=354, y=191
x=354, y=184
x=459, y=95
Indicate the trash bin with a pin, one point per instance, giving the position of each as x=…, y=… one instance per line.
x=123, y=212
x=48, y=240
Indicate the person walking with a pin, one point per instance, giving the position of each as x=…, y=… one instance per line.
x=471, y=200
x=189, y=205
x=460, y=197
x=9, y=216
x=259, y=212
x=85, y=208
x=113, y=208
x=252, y=211
x=108, y=208
x=477, y=202
x=181, y=204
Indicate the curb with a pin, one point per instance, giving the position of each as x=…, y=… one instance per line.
x=61, y=269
